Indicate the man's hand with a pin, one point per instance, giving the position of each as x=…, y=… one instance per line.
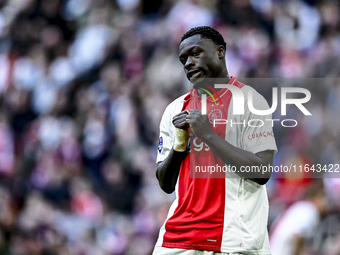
x=179, y=120
x=199, y=124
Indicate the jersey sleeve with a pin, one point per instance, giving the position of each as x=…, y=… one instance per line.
x=258, y=133
x=166, y=135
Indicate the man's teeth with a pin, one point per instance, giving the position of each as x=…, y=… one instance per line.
x=193, y=74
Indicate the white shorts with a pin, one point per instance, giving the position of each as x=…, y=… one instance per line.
x=174, y=251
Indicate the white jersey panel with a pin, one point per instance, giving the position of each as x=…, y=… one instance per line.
x=246, y=206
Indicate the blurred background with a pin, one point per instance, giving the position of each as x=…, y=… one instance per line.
x=83, y=85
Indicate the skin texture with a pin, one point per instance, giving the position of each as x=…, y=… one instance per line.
x=200, y=54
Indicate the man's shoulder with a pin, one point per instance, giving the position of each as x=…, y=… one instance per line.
x=173, y=108
x=177, y=103
x=258, y=100
x=246, y=87
x=180, y=99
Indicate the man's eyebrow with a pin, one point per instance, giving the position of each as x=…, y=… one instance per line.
x=187, y=51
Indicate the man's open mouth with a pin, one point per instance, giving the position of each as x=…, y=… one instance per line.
x=194, y=74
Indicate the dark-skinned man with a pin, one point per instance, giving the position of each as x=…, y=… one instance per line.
x=223, y=214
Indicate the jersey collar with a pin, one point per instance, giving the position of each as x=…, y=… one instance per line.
x=221, y=92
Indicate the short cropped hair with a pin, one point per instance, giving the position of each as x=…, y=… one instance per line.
x=207, y=33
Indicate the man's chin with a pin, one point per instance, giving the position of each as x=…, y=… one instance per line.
x=197, y=81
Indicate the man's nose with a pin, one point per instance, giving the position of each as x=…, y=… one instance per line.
x=189, y=63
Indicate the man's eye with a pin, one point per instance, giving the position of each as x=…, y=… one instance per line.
x=195, y=53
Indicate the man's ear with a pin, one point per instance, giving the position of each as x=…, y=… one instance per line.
x=221, y=51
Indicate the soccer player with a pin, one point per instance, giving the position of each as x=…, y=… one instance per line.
x=297, y=225
x=213, y=215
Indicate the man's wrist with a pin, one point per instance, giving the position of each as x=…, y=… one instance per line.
x=181, y=139
x=180, y=147
x=207, y=136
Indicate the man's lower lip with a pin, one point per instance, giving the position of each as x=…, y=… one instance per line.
x=196, y=75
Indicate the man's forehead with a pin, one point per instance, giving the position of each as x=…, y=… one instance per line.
x=195, y=40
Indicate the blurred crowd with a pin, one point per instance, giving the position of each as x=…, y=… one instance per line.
x=84, y=83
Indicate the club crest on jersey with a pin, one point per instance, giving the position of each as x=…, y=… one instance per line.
x=160, y=144
x=215, y=114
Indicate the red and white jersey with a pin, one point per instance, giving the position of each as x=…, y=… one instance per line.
x=218, y=214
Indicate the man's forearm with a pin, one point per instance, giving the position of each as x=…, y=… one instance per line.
x=167, y=171
x=239, y=157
